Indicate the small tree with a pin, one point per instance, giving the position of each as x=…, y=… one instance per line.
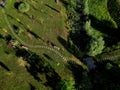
x=24, y=7
x=66, y=85
x=96, y=46
x=85, y=83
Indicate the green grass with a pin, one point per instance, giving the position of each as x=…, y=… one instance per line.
x=48, y=24
x=99, y=9
x=114, y=9
x=47, y=20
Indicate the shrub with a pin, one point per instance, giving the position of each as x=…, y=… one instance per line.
x=24, y=7
x=96, y=46
x=66, y=85
x=85, y=83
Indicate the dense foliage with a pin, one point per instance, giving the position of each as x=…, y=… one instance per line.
x=66, y=85
x=24, y=7
x=94, y=29
x=96, y=46
x=85, y=30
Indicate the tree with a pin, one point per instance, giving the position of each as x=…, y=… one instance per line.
x=66, y=85
x=96, y=46
x=24, y=7
x=85, y=83
x=109, y=66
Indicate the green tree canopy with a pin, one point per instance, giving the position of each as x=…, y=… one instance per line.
x=66, y=85
x=96, y=46
x=24, y=7
x=85, y=83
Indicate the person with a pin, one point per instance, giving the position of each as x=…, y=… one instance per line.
x=10, y=44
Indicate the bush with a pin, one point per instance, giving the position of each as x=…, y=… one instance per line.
x=24, y=7
x=85, y=83
x=96, y=46
x=66, y=85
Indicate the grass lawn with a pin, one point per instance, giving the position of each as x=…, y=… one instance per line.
x=99, y=10
x=46, y=20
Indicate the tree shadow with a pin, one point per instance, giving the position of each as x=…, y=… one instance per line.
x=105, y=79
x=16, y=29
x=1, y=37
x=114, y=8
x=52, y=78
x=113, y=34
x=32, y=87
x=34, y=34
x=81, y=39
x=77, y=72
x=48, y=57
x=71, y=48
x=64, y=2
x=12, y=17
x=34, y=61
x=104, y=26
x=52, y=8
x=4, y=66
x=8, y=37
x=16, y=4
x=37, y=65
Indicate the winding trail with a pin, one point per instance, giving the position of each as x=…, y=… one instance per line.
x=30, y=46
x=65, y=59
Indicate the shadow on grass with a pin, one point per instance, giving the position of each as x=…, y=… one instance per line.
x=34, y=34
x=8, y=37
x=48, y=57
x=113, y=7
x=77, y=72
x=113, y=34
x=4, y=66
x=76, y=69
x=37, y=65
x=64, y=2
x=52, y=78
x=16, y=28
x=80, y=39
x=71, y=48
x=16, y=4
x=52, y=8
x=33, y=61
x=32, y=87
